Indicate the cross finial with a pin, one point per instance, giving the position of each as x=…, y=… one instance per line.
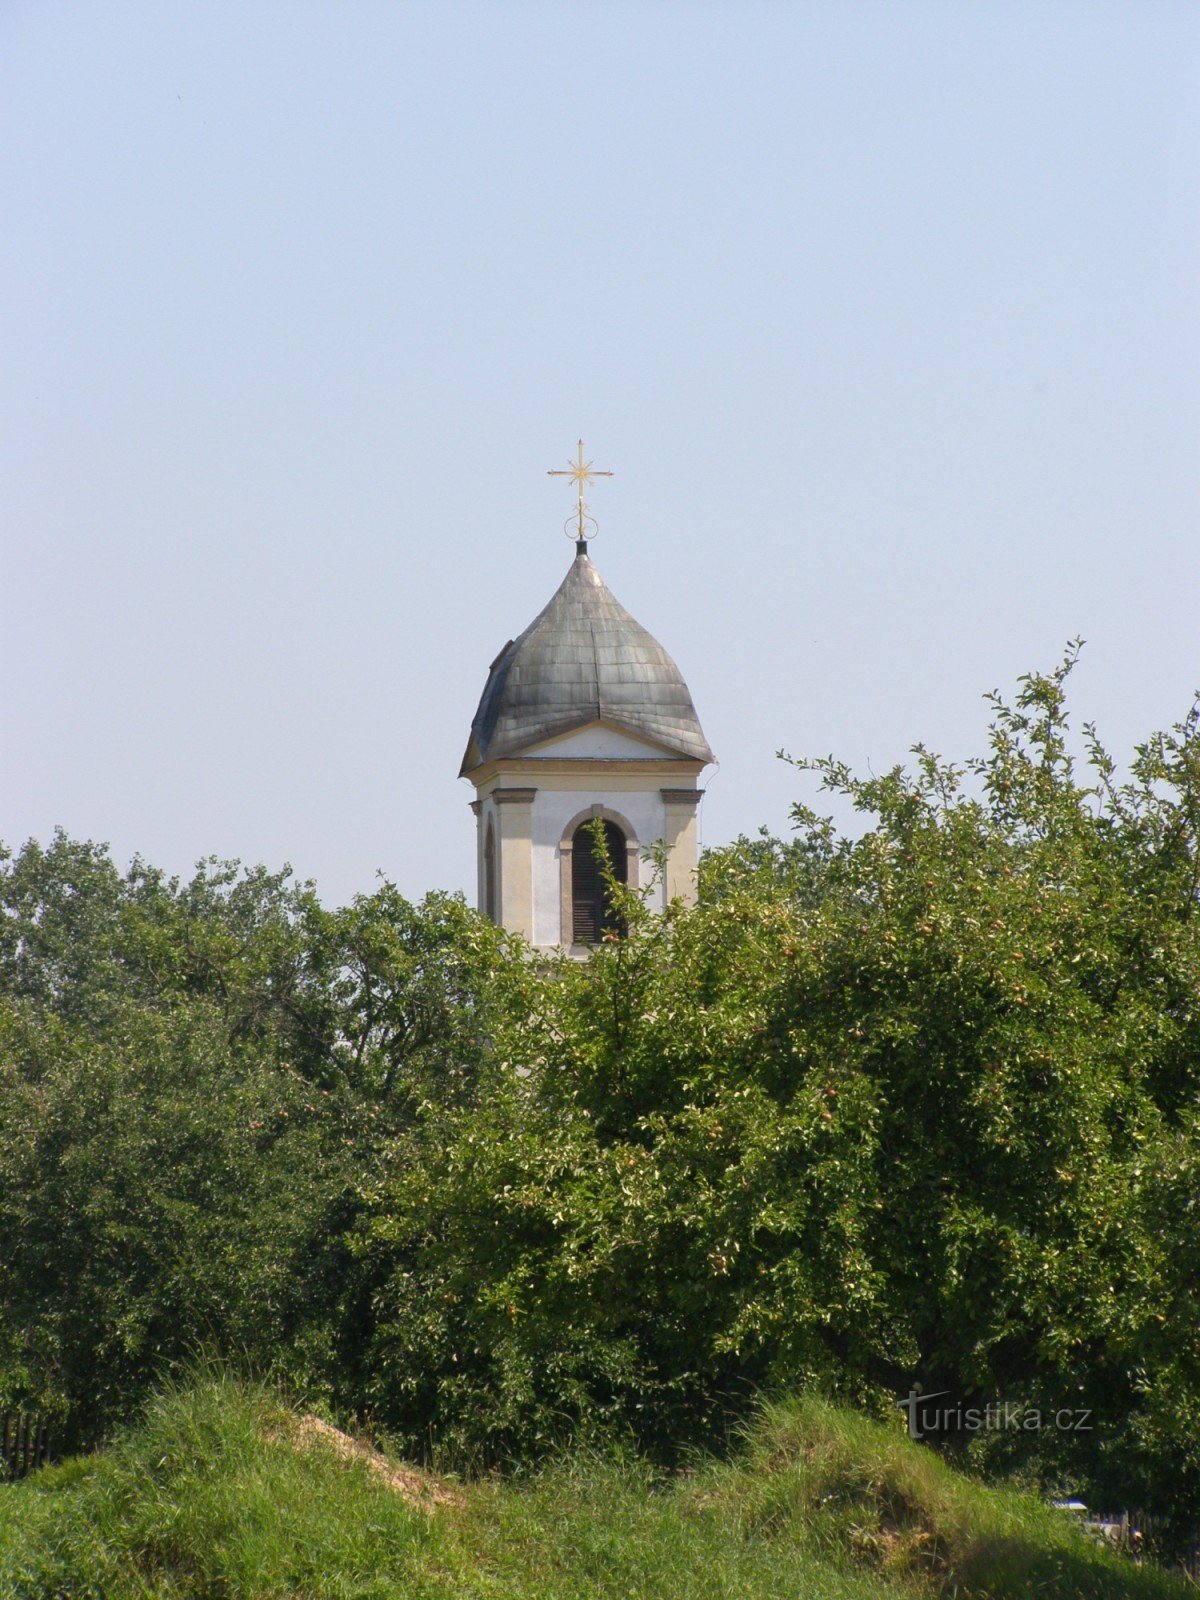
x=581, y=473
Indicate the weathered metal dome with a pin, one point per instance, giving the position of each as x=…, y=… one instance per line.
x=582, y=660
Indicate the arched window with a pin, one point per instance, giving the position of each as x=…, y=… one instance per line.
x=592, y=912
x=489, y=871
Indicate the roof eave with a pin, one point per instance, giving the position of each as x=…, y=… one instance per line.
x=502, y=749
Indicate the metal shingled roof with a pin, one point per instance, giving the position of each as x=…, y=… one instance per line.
x=583, y=659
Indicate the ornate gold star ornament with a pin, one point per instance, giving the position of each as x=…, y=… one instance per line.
x=582, y=526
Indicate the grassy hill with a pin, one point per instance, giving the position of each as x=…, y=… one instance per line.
x=222, y=1491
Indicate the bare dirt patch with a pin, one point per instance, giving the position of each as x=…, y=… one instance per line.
x=419, y=1488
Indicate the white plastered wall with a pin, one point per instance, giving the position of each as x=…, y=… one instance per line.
x=571, y=781
x=638, y=813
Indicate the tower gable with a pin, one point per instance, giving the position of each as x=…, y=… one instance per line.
x=599, y=741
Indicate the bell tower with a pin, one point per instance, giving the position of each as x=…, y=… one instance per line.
x=583, y=716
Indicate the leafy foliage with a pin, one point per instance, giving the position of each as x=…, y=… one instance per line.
x=917, y=1106
x=196, y=1079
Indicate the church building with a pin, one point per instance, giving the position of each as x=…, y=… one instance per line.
x=583, y=716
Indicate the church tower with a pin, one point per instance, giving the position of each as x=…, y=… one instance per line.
x=584, y=715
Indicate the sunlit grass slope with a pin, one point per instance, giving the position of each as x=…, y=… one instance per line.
x=214, y=1495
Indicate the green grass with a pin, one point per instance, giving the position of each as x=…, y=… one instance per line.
x=835, y=1483
x=208, y=1498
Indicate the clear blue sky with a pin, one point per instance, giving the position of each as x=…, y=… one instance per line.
x=886, y=317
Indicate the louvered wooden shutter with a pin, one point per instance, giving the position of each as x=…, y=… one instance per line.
x=592, y=914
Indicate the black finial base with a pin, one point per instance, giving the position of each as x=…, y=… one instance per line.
x=581, y=547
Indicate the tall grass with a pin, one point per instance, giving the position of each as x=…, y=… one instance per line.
x=838, y=1484
x=207, y=1498
x=216, y=1495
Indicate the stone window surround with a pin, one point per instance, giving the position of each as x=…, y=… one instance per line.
x=566, y=848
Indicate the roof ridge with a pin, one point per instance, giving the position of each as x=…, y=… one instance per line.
x=596, y=669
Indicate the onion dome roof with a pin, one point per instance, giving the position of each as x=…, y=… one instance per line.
x=583, y=659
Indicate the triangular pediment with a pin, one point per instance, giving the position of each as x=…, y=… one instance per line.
x=600, y=740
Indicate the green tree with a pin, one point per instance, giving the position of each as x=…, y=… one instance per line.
x=196, y=1081
x=917, y=1105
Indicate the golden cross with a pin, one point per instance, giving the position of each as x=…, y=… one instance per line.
x=581, y=473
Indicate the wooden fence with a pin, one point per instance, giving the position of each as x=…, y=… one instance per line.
x=1134, y=1531
x=24, y=1444
x=1189, y=1562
